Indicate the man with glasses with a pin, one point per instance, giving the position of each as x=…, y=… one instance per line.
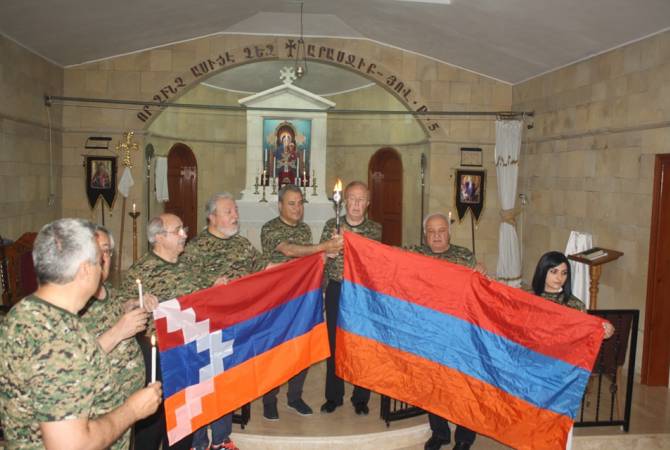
x=284, y=238
x=167, y=275
x=116, y=322
x=57, y=388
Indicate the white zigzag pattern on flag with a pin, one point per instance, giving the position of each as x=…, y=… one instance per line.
x=217, y=351
x=190, y=409
x=181, y=320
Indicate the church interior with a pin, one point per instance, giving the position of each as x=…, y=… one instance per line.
x=404, y=95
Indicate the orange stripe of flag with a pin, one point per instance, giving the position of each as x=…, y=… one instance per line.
x=235, y=387
x=446, y=392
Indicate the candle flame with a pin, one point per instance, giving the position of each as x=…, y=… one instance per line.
x=338, y=186
x=138, y=281
x=153, y=339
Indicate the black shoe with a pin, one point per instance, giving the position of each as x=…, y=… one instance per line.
x=435, y=443
x=270, y=412
x=330, y=406
x=361, y=409
x=300, y=407
x=462, y=446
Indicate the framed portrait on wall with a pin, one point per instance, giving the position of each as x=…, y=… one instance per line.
x=286, y=150
x=100, y=179
x=470, y=192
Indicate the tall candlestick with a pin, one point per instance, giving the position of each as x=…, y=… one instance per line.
x=139, y=289
x=337, y=198
x=153, y=358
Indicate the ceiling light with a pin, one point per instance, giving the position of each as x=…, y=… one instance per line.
x=300, y=64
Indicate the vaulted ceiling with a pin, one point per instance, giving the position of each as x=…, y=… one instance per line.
x=509, y=40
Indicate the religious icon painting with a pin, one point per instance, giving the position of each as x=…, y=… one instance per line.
x=100, y=179
x=470, y=192
x=286, y=150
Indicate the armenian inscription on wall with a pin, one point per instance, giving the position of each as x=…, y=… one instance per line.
x=285, y=49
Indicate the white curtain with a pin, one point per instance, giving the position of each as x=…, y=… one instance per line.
x=578, y=242
x=508, y=149
x=162, y=194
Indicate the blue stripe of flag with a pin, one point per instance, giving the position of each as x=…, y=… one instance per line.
x=181, y=365
x=543, y=381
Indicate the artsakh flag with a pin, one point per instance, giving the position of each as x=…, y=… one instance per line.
x=224, y=346
x=442, y=337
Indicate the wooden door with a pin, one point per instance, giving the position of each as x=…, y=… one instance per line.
x=183, y=187
x=385, y=182
x=656, y=348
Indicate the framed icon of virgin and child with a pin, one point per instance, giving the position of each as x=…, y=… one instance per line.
x=286, y=150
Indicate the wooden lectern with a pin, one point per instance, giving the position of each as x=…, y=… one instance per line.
x=595, y=258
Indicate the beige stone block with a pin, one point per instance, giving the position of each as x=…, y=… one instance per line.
x=502, y=95
x=96, y=82
x=160, y=60
x=74, y=82
x=459, y=92
x=124, y=84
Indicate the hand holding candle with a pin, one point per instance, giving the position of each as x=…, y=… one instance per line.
x=337, y=198
x=139, y=292
x=153, y=358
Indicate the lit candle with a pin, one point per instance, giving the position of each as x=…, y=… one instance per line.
x=134, y=207
x=449, y=220
x=297, y=181
x=337, y=198
x=274, y=167
x=139, y=290
x=304, y=178
x=153, y=358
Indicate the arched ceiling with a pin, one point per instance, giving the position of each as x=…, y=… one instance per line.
x=321, y=79
x=509, y=40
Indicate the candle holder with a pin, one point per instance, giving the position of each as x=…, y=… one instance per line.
x=337, y=199
x=263, y=199
x=134, y=215
x=274, y=186
x=304, y=194
x=313, y=185
x=256, y=186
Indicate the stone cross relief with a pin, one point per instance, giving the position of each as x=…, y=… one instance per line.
x=287, y=75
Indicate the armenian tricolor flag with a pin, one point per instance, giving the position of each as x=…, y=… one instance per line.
x=227, y=345
x=442, y=337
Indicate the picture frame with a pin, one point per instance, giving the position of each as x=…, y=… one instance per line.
x=470, y=189
x=287, y=150
x=100, y=180
x=471, y=156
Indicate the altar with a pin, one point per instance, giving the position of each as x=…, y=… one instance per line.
x=285, y=147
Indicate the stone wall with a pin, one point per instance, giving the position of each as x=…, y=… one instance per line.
x=588, y=163
x=416, y=83
x=26, y=143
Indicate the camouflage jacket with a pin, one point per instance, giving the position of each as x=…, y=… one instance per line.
x=368, y=229
x=233, y=258
x=164, y=279
x=99, y=315
x=276, y=231
x=51, y=369
x=455, y=254
x=559, y=297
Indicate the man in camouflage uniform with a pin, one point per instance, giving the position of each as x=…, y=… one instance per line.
x=356, y=201
x=284, y=238
x=166, y=275
x=115, y=324
x=438, y=245
x=221, y=252
x=57, y=389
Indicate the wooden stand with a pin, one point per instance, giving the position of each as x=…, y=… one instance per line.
x=134, y=215
x=595, y=270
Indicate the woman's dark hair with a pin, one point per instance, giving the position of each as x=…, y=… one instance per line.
x=548, y=261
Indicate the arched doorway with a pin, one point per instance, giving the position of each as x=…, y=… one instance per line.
x=385, y=182
x=183, y=186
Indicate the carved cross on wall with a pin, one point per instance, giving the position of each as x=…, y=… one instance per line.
x=287, y=75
